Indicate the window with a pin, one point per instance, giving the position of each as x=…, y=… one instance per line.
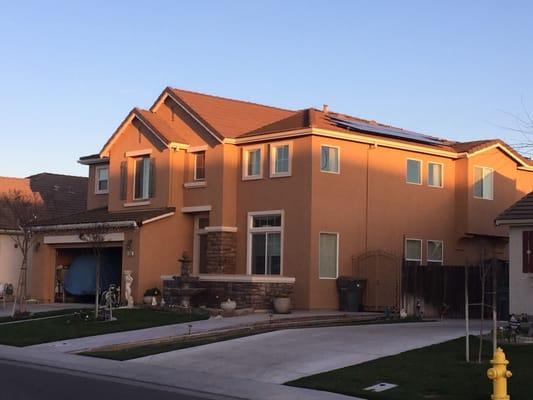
x=483, y=184
x=413, y=250
x=142, y=178
x=435, y=174
x=264, y=246
x=102, y=179
x=280, y=160
x=414, y=171
x=252, y=163
x=435, y=251
x=328, y=255
x=329, y=159
x=199, y=166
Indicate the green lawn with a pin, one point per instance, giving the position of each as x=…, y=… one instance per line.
x=42, y=314
x=73, y=326
x=436, y=372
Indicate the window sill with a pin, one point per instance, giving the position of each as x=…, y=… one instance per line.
x=138, y=203
x=196, y=184
x=330, y=172
x=281, y=175
x=252, y=178
x=97, y=193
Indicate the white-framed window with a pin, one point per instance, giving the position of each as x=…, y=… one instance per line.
x=199, y=166
x=280, y=159
x=413, y=250
x=435, y=251
x=483, y=183
x=328, y=254
x=252, y=162
x=265, y=242
x=141, y=181
x=413, y=171
x=435, y=174
x=330, y=159
x=101, y=179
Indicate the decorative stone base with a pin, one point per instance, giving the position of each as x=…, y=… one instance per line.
x=221, y=252
x=248, y=294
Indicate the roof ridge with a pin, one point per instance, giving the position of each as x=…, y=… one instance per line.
x=230, y=99
x=12, y=177
x=53, y=173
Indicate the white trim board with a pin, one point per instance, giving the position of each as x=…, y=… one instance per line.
x=61, y=239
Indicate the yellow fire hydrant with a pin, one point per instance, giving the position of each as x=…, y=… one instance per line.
x=499, y=374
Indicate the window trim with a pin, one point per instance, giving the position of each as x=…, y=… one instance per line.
x=421, y=178
x=196, y=241
x=337, y=258
x=338, y=157
x=405, y=249
x=97, y=180
x=250, y=230
x=273, y=173
x=195, y=155
x=441, y=175
x=474, y=182
x=147, y=197
x=245, y=156
x=427, y=251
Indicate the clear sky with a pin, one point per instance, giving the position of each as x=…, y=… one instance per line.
x=70, y=71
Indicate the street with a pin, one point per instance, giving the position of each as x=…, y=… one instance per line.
x=19, y=381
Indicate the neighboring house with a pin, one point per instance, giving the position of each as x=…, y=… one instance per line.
x=261, y=196
x=59, y=194
x=519, y=219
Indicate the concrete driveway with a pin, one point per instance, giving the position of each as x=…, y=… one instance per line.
x=282, y=356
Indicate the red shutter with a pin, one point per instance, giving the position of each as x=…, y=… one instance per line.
x=527, y=252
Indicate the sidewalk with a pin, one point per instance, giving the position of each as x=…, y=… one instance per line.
x=171, y=331
x=177, y=378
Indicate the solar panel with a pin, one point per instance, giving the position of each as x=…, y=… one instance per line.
x=388, y=131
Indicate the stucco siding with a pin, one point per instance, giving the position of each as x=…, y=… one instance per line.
x=520, y=284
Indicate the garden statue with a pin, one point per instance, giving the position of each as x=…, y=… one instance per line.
x=128, y=280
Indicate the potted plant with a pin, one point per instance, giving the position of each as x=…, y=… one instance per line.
x=228, y=305
x=281, y=302
x=150, y=295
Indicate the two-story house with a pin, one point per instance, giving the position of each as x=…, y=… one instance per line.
x=259, y=195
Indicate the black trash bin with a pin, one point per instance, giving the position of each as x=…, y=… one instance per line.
x=351, y=292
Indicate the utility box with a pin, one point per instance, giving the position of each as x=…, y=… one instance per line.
x=351, y=291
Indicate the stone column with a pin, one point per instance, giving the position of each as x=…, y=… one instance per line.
x=221, y=252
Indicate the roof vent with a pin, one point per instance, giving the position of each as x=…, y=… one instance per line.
x=325, y=108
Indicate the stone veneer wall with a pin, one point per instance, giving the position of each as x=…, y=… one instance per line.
x=256, y=295
x=221, y=252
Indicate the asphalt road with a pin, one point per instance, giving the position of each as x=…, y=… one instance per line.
x=20, y=381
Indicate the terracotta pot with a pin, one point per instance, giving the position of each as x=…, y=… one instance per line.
x=228, y=305
x=282, y=305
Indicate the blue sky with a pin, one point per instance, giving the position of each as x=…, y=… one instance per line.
x=70, y=71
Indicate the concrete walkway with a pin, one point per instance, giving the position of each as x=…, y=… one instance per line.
x=169, y=331
x=282, y=356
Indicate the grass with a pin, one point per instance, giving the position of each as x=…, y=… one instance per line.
x=131, y=352
x=436, y=372
x=73, y=326
x=43, y=314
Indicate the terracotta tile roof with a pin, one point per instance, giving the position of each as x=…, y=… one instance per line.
x=227, y=117
x=521, y=210
x=102, y=215
x=159, y=125
x=60, y=194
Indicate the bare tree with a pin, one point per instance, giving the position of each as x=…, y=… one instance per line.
x=21, y=210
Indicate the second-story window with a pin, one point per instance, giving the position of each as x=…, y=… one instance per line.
x=414, y=172
x=280, y=160
x=102, y=179
x=329, y=159
x=199, y=166
x=435, y=174
x=252, y=163
x=413, y=250
x=483, y=183
x=143, y=176
x=435, y=252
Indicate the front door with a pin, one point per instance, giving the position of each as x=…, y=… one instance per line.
x=200, y=244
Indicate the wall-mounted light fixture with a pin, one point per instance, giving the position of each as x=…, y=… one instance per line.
x=129, y=248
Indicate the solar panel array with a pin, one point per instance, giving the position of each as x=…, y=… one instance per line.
x=387, y=131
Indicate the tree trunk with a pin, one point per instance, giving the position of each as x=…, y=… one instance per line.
x=482, y=313
x=494, y=310
x=467, y=322
x=97, y=285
